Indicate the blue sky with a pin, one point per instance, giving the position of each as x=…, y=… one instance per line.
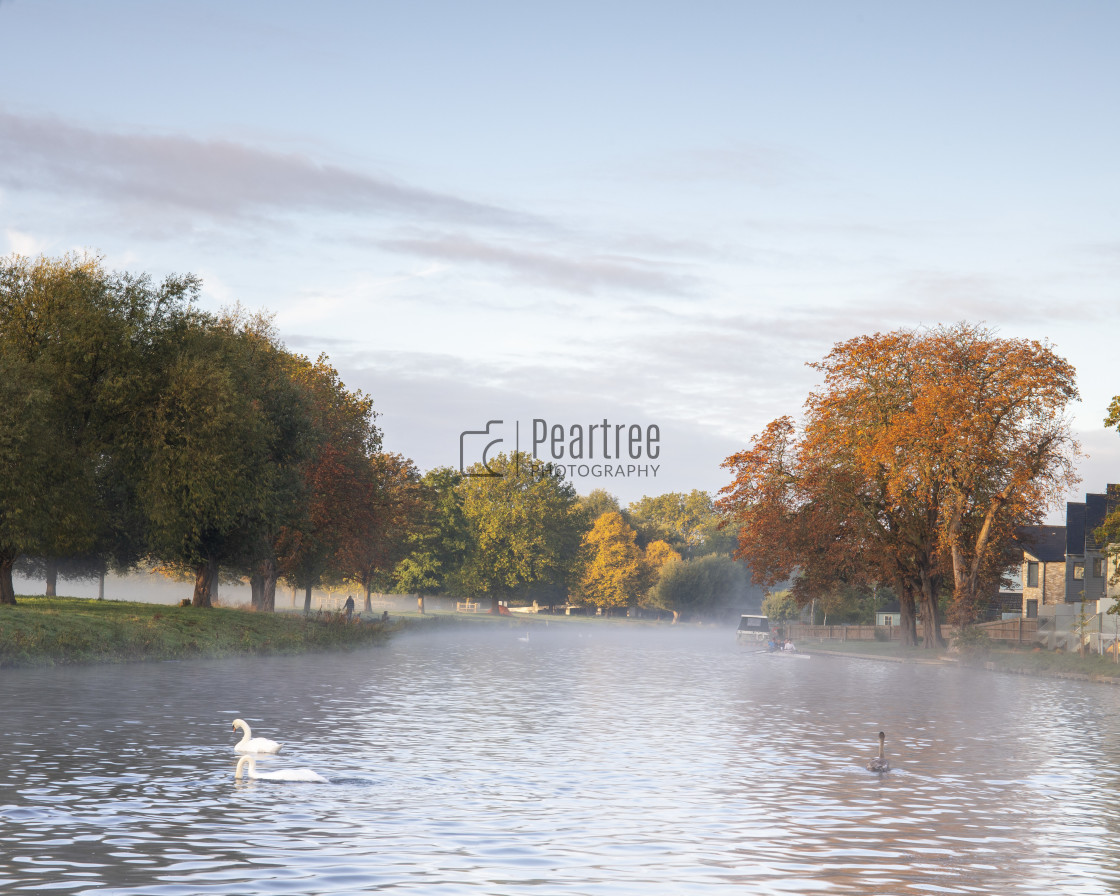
x=645, y=212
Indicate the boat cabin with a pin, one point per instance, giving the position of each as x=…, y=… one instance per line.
x=753, y=628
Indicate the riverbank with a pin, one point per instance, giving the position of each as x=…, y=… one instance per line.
x=56, y=631
x=1025, y=660
x=50, y=631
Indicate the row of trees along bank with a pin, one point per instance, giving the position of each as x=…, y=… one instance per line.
x=913, y=466
x=137, y=428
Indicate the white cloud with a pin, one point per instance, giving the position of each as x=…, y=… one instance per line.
x=215, y=178
x=564, y=268
x=25, y=243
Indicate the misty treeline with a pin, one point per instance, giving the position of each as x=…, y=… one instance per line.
x=913, y=467
x=138, y=429
x=524, y=535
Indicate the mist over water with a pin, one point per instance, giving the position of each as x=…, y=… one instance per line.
x=586, y=760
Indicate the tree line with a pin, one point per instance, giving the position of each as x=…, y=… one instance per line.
x=136, y=428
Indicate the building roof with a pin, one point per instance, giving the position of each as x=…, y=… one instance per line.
x=1075, y=528
x=1083, y=518
x=1045, y=543
x=1096, y=509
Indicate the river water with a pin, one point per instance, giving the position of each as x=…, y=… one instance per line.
x=586, y=760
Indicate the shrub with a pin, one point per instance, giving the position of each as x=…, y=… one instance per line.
x=971, y=639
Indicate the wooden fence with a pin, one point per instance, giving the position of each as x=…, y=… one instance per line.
x=1018, y=630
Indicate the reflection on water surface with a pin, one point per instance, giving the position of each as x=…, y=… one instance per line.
x=624, y=761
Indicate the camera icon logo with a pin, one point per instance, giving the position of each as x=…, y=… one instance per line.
x=476, y=438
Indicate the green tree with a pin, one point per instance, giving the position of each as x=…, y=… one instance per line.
x=703, y=586
x=26, y=454
x=271, y=375
x=224, y=439
x=780, y=606
x=687, y=521
x=438, y=544
x=597, y=502
x=525, y=526
x=76, y=355
x=849, y=604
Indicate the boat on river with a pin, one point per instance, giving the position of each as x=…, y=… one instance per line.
x=753, y=629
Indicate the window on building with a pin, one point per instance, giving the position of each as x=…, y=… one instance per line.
x=1079, y=571
x=1098, y=567
x=1032, y=575
x=1032, y=609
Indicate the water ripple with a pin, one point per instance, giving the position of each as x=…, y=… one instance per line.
x=666, y=762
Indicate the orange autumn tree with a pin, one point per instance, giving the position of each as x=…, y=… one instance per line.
x=614, y=573
x=917, y=459
x=991, y=418
x=655, y=556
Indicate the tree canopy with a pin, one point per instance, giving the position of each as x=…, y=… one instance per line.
x=78, y=346
x=703, y=586
x=917, y=459
x=525, y=526
x=614, y=574
x=134, y=425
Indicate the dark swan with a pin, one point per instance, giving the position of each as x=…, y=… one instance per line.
x=879, y=763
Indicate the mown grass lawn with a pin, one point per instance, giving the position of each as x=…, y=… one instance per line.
x=44, y=631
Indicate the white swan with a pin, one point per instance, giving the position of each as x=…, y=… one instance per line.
x=250, y=744
x=879, y=763
x=283, y=774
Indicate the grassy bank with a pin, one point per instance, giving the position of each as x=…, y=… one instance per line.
x=50, y=631
x=1022, y=660
x=42, y=631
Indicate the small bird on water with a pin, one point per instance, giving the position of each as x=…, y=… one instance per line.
x=879, y=763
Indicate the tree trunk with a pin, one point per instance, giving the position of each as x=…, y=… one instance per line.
x=906, y=613
x=7, y=588
x=369, y=603
x=420, y=603
x=205, y=575
x=966, y=574
x=306, y=600
x=101, y=585
x=931, y=614
x=52, y=577
x=268, y=586
x=263, y=585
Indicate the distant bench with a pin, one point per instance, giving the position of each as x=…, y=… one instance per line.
x=467, y=606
